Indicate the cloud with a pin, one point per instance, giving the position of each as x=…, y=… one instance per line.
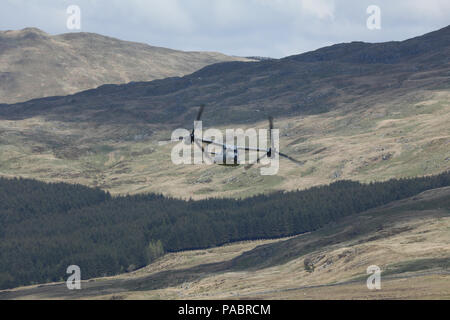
x=322, y=9
x=239, y=27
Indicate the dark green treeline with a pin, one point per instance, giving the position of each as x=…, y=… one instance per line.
x=44, y=228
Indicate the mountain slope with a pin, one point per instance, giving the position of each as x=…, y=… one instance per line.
x=407, y=239
x=55, y=225
x=34, y=64
x=429, y=49
x=354, y=119
x=309, y=83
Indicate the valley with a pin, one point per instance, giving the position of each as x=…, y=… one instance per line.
x=407, y=239
x=86, y=175
x=359, y=111
x=403, y=136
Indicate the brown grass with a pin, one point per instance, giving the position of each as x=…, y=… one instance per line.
x=409, y=240
x=398, y=139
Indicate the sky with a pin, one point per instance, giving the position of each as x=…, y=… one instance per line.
x=268, y=28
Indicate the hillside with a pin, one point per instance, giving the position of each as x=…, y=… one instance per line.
x=407, y=239
x=359, y=111
x=46, y=227
x=310, y=83
x=34, y=64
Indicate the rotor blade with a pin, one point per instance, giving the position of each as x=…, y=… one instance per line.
x=203, y=149
x=171, y=141
x=211, y=142
x=200, y=146
x=199, y=116
x=231, y=147
x=290, y=158
x=251, y=149
x=258, y=160
x=271, y=132
x=200, y=112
